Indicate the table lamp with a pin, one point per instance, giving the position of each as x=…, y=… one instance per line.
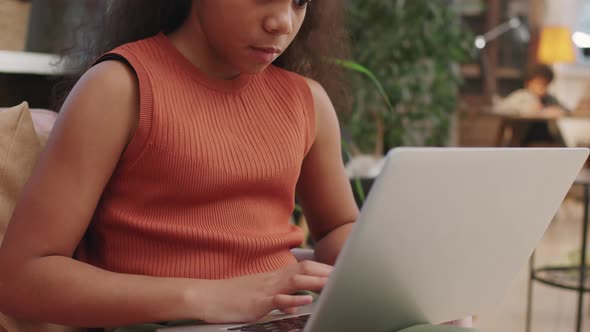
x=482, y=41
x=555, y=45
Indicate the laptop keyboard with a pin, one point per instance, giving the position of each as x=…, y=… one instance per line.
x=289, y=324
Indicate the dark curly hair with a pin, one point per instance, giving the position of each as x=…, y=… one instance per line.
x=113, y=23
x=539, y=70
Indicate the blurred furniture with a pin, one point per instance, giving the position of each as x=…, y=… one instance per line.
x=28, y=76
x=25, y=75
x=555, y=47
x=506, y=52
x=14, y=62
x=504, y=58
x=513, y=130
x=569, y=277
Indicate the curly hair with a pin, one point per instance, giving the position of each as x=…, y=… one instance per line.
x=539, y=70
x=110, y=24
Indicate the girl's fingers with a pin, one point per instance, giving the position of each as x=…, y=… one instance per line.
x=311, y=268
x=301, y=282
x=286, y=302
x=289, y=311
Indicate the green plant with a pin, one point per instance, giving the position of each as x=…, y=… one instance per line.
x=408, y=89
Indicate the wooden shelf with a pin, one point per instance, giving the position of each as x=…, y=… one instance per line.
x=470, y=71
x=474, y=71
x=476, y=127
x=12, y=62
x=470, y=8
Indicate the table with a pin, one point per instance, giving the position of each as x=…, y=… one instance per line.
x=520, y=124
x=569, y=277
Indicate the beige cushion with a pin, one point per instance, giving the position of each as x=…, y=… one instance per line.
x=19, y=148
x=12, y=325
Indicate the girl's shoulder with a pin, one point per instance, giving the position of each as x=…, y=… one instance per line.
x=142, y=48
x=308, y=87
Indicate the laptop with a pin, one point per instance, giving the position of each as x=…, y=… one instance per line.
x=441, y=236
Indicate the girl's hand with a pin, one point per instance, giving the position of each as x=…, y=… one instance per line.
x=247, y=299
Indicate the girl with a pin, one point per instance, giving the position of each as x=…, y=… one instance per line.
x=165, y=190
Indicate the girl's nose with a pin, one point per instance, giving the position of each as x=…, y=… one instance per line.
x=280, y=21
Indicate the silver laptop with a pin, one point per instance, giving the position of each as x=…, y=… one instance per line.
x=441, y=236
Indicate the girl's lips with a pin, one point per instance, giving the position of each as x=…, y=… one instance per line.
x=265, y=54
x=267, y=49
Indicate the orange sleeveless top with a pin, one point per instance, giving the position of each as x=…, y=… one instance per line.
x=206, y=187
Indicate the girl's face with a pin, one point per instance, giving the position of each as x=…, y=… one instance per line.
x=248, y=35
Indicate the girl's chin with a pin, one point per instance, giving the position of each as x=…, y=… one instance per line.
x=254, y=68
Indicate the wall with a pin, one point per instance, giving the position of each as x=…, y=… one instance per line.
x=572, y=81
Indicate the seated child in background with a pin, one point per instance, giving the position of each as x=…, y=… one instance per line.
x=534, y=100
x=534, y=97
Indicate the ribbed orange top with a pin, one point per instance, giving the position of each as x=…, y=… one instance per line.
x=206, y=186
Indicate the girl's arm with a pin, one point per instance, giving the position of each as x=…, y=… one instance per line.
x=323, y=188
x=39, y=279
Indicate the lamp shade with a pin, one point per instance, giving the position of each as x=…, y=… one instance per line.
x=555, y=45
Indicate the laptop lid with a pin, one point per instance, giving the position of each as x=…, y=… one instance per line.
x=442, y=234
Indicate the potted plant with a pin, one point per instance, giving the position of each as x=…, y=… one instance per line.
x=404, y=79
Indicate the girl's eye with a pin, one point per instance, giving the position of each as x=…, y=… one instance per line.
x=302, y=3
